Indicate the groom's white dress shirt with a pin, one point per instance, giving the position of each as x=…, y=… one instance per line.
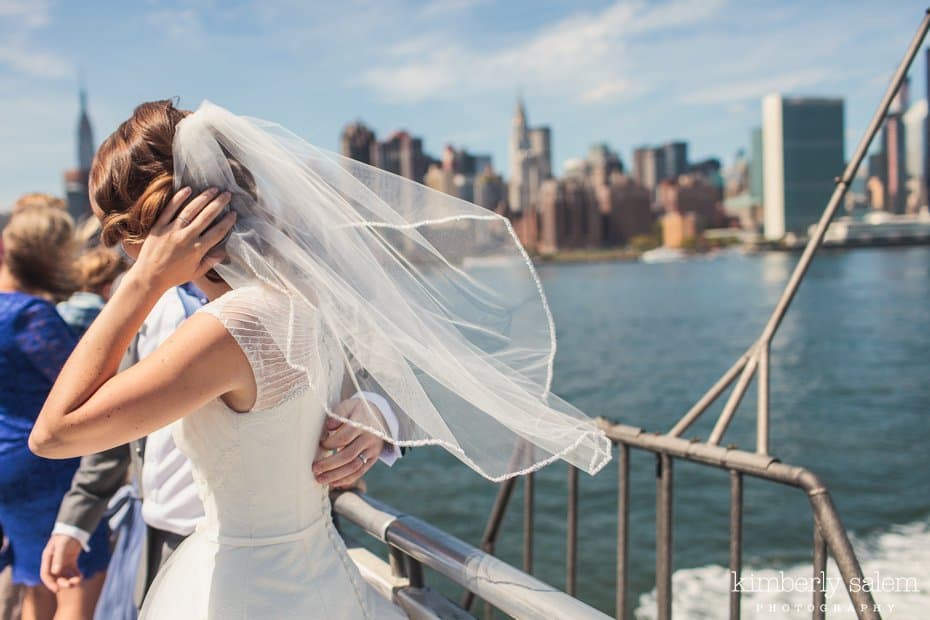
x=170, y=501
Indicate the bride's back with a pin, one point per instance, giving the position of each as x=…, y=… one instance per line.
x=267, y=547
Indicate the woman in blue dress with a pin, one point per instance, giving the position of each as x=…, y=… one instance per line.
x=34, y=344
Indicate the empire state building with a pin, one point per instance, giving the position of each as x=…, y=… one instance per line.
x=76, y=190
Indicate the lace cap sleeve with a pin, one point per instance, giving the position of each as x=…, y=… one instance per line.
x=261, y=324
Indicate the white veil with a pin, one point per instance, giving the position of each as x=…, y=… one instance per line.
x=432, y=300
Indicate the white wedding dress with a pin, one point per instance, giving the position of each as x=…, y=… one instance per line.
x=267, y=547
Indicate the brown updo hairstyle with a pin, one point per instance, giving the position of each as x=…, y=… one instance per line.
x=39, y=249
x=132, y=177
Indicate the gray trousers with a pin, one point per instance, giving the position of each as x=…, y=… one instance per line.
x=158, y=547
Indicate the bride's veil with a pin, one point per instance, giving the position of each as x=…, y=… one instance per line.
x=426, y=299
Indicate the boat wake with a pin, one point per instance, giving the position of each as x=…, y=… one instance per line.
x=895, y=567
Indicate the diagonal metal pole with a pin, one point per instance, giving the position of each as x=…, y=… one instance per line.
x=791, y=288
x=843, y=182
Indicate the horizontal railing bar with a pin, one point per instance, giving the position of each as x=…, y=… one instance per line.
x=500, y=584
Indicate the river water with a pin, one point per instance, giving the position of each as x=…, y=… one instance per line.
x=640, y=343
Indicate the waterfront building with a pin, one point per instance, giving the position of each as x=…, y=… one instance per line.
x=675, y=159
x=568, y=215
x=359, y=143
x=803, y=152
x=601, y=163
x=679, y=229
x=646, y=166
x=895, y=152
x=625, y=207
x=915, y=121
x=490, y=190
x=926, y=137
x=693, y=193
x=755, y=164
x=652, y=165
x=530, y=160
x=402, y=154
x=459, y=172
x=441, y=179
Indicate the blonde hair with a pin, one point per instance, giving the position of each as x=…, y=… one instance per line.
x=97, y=268
x=38, y=199
x=39, y=250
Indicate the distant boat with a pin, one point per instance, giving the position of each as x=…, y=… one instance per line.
x=663, y=255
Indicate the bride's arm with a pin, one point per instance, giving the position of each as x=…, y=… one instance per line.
x=90, y=408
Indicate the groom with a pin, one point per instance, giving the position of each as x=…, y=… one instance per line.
x=171, y=507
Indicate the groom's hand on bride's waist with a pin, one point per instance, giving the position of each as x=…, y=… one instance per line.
x=347, y=452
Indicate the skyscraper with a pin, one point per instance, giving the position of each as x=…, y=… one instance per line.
x=926, y=136
x=755, y=164
x=402, y=154
x=652, y=165
x=676, y=159
x=914, y=122
x=895, y=149
x=530, y=160
x=359, y=143
x=803, y=152
x=76, y=190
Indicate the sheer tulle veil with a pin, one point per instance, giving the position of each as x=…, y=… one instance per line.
x=419, y=296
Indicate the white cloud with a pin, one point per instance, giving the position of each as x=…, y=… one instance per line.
x=447, y=7
x=609, y=90
x=30, y=14
x=584, y=56
x=19, y=20
x=182, y=24
x=743, y=89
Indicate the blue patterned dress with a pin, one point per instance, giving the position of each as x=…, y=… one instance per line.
x=34, y=344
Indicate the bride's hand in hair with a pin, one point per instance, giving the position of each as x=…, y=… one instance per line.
x=178, y=247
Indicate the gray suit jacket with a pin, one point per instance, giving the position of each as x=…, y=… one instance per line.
x=97, y=479
x=99, y=476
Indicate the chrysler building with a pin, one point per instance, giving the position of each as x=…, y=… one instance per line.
x=530, y=161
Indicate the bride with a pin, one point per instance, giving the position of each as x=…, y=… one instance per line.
x=326, y=277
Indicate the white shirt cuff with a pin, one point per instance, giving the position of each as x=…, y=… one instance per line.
x=74, y=532
x=391, y=452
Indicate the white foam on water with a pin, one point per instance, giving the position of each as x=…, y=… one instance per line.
x=895, y=566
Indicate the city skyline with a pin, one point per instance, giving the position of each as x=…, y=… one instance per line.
x=623, y=73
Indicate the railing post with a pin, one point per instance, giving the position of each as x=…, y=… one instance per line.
x=736, y=542
x=762, y=386
x=664, y=536
x=492, y=528
x=623, y=527
x=820, y=574
x=529, y=500
x=571, y=543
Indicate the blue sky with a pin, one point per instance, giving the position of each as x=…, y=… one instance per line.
x=627, y=72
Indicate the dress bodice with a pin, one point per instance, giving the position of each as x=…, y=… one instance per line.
x=253, y=469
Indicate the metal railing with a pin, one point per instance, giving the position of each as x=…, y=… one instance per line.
x=829, y=535
x=415, y=544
